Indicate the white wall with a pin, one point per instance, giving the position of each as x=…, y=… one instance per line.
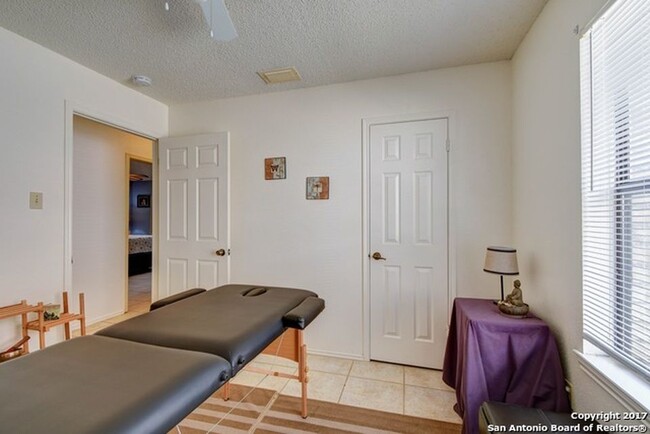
x=546, y=184
x=34, y=85
x=99, y=217
x=279, y=238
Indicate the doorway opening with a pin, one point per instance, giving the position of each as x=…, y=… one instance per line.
x=99, y=204
x=140, y=240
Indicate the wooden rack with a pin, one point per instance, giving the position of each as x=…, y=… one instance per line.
x=21, y=309
x=42, y=326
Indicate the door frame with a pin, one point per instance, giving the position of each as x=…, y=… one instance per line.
x=75, y=108
x=367, y=123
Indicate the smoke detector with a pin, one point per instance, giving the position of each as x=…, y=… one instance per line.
x=141, y=80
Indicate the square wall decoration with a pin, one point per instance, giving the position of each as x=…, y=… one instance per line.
x=275, y=168
x=318, y=187
x=144, y=201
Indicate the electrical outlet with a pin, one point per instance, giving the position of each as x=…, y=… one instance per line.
x=35, y=200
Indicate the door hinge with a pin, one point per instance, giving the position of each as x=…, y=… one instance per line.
x=447, y=145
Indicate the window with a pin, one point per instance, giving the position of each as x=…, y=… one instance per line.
x=615, y=100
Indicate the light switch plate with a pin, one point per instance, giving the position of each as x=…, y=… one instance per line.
x=35, y=200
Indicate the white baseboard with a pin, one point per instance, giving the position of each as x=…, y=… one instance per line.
x=335, y=354
x=74, y=325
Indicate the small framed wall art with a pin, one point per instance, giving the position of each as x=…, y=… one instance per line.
x=275, y=168
x=318, y=187
x=144, y=201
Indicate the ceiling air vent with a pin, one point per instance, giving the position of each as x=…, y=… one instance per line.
x=282, y=75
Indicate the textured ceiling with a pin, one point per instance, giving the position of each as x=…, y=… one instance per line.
x=328, y=41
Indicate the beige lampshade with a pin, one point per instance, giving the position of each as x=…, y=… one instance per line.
x=501, y=260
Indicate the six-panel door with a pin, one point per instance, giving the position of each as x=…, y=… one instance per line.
x=193, y=212
x=408, y=242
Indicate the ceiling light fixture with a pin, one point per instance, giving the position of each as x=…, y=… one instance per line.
x=217, y=16
x=141, y=80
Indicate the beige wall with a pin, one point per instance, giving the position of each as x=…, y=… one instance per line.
x=546, y=181
x=279, y=238
x=35, y=84
x=99, y=214
x=527, y=195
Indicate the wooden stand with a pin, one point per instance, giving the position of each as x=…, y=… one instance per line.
x=290, y=345
x=42, y=326
x=21, y=309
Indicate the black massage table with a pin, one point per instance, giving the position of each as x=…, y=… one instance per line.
x=236, y=322
x=146, y=374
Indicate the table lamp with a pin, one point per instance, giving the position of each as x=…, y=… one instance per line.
x=502, y=261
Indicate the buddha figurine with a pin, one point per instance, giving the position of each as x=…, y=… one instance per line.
x=514, y=304
x=515, y=298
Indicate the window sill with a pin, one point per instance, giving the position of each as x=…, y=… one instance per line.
x=623, y=384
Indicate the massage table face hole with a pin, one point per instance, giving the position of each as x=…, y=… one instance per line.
x=254, y=292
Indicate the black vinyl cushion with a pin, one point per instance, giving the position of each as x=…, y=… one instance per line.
x=176, y=297
x=302, y=315
x=509, y=415
x=235, y=322
x=96, y=384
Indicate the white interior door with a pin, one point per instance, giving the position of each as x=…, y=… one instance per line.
x=193, y=213
x=408, y=239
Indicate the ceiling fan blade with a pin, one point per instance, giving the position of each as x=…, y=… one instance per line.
x=218, y=18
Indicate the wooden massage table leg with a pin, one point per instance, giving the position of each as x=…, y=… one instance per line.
x=226, y=391
x=302, y=371
x=290, y=346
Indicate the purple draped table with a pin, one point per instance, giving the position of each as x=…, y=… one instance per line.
x=492, y=357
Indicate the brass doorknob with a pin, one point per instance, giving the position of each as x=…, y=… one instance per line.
x=220, y=252
x=377, y=257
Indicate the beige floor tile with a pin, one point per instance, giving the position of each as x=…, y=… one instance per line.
x=333, y=365
x=264, y=381
x=272, y=382
x=115, y=319
x=140, y=292
x=91, y=329
x=378, y=371
x=138, y=307
x=425, y=378
x=139, y=299
x=430, y=403
x=123, y=317
x=273, y=360
x=271, y=367
x=250, y=379
x=140, y=282
x=322, y=386
x=377, y=395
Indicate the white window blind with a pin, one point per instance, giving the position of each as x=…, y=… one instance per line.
x=615, y=102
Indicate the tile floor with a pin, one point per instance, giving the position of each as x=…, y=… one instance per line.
x=140, y=292
x=375, y=385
